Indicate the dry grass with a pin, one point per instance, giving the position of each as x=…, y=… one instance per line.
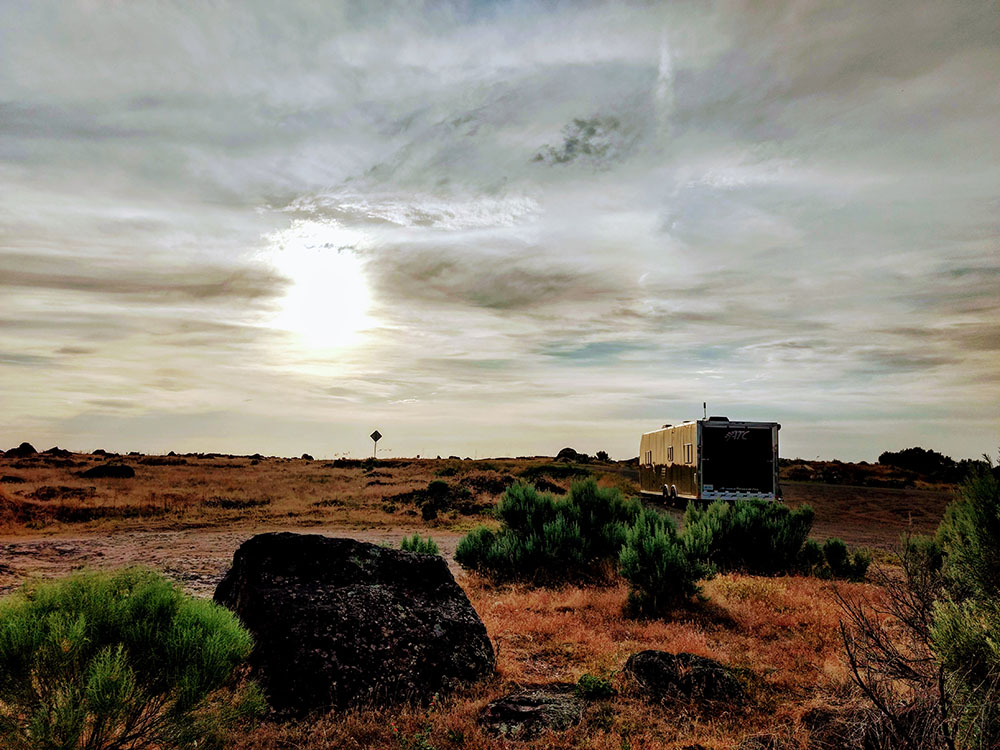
x=781, y=632
x=176, y=492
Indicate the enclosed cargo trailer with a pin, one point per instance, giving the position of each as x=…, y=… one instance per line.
x=711, y=459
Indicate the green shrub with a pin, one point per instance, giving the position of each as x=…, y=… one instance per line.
x=836, y=555
x=416, y=544
x=438, y=488
x=593, y=688
x=967, y=618
x=861, y=560
x=106, y=661
x=661, y=570
x=545, y=539
x=753, y=536
x=811, y=556
x=476, y=549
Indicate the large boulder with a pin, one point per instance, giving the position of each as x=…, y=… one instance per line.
x=24, y=450
x=661, y=675
x=526, y=713
x=340, y=623
x=109, y=471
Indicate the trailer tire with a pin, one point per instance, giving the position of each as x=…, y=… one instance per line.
x=673, y=494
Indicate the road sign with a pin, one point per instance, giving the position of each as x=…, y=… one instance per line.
x=376, y=436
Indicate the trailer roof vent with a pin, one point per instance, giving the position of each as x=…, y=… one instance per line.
x=718, y=419
x=664, y=427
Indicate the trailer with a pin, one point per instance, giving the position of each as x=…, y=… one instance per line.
x=711, y=459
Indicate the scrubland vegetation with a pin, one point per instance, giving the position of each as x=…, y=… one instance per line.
x=593, y=530
x=119, y=661
x=570, y=577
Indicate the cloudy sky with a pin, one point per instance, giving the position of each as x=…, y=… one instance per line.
x=498, y=228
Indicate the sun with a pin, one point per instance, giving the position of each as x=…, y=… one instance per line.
x=326, y=305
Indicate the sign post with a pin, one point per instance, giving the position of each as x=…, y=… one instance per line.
x=375, y=436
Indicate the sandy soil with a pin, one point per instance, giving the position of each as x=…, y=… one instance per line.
x=195, y=558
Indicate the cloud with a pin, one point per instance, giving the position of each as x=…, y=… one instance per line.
x=142, y=285
x=789, y=209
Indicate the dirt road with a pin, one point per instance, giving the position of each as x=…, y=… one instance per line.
x=195, y=558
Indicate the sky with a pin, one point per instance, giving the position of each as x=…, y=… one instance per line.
x=498, y=228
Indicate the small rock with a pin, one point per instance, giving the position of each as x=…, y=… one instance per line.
x=526, y=713
x=306, y=457
x=684, y=676
x=114, y=471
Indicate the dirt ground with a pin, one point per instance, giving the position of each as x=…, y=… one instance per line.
x=195, y=558
x=193, y=540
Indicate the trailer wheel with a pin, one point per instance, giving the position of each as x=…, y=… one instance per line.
x=673, y=494
x=666, y=494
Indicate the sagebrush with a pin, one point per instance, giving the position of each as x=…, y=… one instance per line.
x=546, y=539
x=119, y=661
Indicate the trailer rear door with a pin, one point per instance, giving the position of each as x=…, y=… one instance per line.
x=737, y=460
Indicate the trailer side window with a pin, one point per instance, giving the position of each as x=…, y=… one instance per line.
x=670, y=453
x=688, y=453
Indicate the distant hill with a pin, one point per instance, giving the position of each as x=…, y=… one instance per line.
x=909, y=468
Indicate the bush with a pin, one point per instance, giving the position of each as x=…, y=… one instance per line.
x=416, y=544
x=753, y=536
x=592, y=688
x=546, y=539
x=811, y=556
x=967, y=618
x=119, y=660
x=836, y=555
x=940, y=648
x=661, y=570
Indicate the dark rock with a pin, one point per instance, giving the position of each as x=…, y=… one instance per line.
x=113, y=471
x=55, y=450
x=340, y=623
x=662, y=675
x=306, y=457
x=526, y=713
x=22, y=451
x=11, y=479
x=163, y=461
x=101, y=452
x=568, y=454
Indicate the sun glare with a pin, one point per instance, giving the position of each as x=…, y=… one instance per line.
x=327, y=301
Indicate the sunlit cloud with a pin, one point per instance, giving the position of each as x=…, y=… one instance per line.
x=493, y=227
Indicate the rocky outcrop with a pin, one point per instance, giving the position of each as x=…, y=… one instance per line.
x=661, y=675
x=340, y=623
x=112, y=471
x=24, y=450
x=526, y=713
